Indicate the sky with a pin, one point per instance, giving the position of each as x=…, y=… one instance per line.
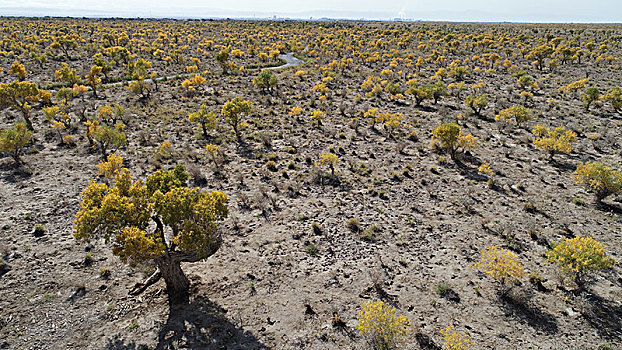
x=588, y=11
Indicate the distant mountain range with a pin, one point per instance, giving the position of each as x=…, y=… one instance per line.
x=205, y=12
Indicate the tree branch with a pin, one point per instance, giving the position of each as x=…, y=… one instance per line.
x=141, y=287
x=212, y=248
x=160, y=229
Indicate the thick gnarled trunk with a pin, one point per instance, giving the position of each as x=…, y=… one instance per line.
x=177, y=284
x=169, y=267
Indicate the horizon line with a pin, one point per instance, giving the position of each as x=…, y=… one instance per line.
x=299, y=19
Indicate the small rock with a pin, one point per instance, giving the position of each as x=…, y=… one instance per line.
x=308, y=310
x=79, y=292
x=38, y=231
x=570, y=312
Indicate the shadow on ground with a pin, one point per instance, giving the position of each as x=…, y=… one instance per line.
x=604, y=315
x=200, y=324
x=516, y=304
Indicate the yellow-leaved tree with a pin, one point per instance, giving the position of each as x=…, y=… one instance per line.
x=383, y=327
x=558, y=140
x=519, y=114
x=500, y=265
x=19, y=95
x=449, y=137
x=204, y=118
x=600, y=178
x=578, y=257
x=183, y=223
x=234, y=112
x=14, y=140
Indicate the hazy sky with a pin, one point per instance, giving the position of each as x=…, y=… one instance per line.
x=452, y=10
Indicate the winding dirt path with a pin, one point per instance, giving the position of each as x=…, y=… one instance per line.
x=290, y=61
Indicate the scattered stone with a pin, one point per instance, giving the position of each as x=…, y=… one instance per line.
x=309, y=311
x=78, y=293
x=570, y=312
x=38, y=231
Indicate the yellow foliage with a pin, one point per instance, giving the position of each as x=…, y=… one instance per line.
x=579, y=256
x=320, y=88
x=318, y=115
x=197, y=80
x=111, y=167
x=455, y=340
x=328, y=159
x=204, y=118
x=19, y=70
x=295, y=111
x=165, y=149
x=234, y=111
x=449, y=137
x=212, y=148
x=519, y=113
x=574, y=86
x=133, y=246
x=58, y=125
x=370, y=82
x=14, y=140
x=382, y=325
x=558, y=140
x=499, y=264
x=371, y=114
x=215, y=154
x=476, y=102
x=121, y=213
x=598, y=177
x=485, y=169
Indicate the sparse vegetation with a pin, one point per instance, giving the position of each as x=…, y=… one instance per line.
x=335, y=187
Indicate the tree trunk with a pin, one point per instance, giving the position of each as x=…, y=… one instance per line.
x=177, y=284
x=26, y=115
x=204, y=130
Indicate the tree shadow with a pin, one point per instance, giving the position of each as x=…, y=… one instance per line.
x=604, y=316
x=120, y=344
x=199, y=324
x=14, y=173
x=202, y=324
x=562, y=165
x=517, y=304
x=614, y=209
x=244, y=149
x=425, y=342
x=426, y=108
